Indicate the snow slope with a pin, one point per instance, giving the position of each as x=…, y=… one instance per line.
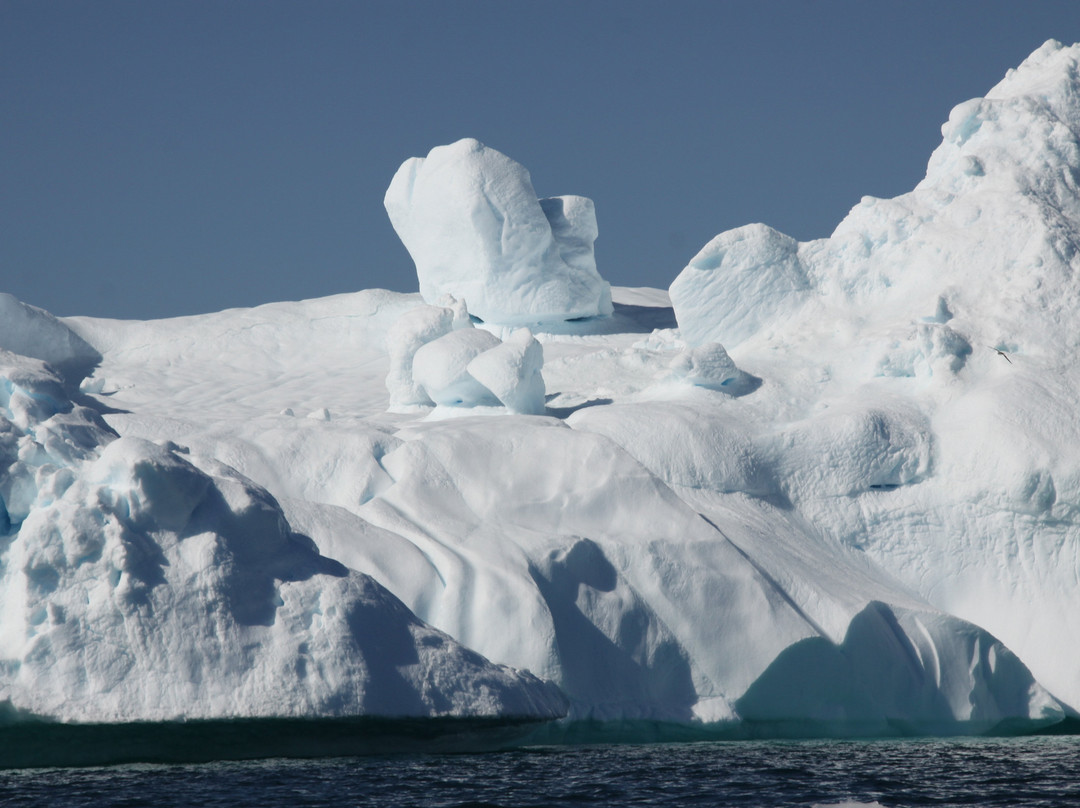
x=143, y=582
x=806, y=494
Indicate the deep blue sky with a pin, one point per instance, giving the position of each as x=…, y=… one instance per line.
x=161, y=157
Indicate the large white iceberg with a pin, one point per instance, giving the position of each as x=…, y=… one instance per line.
x=471, y=220
x=825, y=503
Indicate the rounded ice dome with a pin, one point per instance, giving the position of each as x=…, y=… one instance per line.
x=440, y=367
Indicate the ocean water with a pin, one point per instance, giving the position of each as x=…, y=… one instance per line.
x=1039, y=771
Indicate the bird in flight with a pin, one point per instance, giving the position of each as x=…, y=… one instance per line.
x=1000, y=353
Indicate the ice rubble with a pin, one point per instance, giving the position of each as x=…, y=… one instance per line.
x=792, y=514
x=437, y=357
x=471, y=220
x=512, y=372
x=406, y=336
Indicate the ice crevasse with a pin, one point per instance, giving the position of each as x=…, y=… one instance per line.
x=774, y=503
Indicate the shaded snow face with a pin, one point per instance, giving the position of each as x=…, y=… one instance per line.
x=33, y=332
x=472, y=223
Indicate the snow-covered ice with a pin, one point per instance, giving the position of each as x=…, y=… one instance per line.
x=472, y=222
x=512, y=371
x=144, y=582
x=824, y=502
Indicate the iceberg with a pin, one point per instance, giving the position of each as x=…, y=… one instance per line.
x=823, y=504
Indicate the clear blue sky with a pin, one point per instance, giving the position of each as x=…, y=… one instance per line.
x=164, y=157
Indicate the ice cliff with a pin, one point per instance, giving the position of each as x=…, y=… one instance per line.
x=808, y=494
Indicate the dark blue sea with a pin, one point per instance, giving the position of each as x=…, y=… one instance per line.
x=1037, y=771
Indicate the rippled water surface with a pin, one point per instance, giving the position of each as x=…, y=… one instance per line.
x=986, y=772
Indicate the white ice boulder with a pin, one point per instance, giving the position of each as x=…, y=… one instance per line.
x=437, y=357
x=473, y=224
x=441, y=368
x=708, y=366
x=512, y=372
x=406, y=336
x=738, y=282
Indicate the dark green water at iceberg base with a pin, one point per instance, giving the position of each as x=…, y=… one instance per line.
x=42, y=743
x=29, y=742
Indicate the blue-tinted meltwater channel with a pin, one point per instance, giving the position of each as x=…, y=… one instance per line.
x=1035, y=771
